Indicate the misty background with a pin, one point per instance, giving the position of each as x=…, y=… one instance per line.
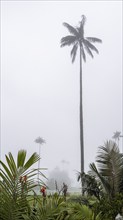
x=40, y=85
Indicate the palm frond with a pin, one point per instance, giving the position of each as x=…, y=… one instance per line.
x=33, y=159
x=74, y=52
x=109, y=157
x=21, y=158
x=104, y=181
x=79, y=174
x=91, y=46
x=110, y=163
x=68, y=40
x=94, y=39
x=7, y=171
x=16, y=183
x=88, y=50
x=78, y=211
x=83, y=53
x=71, y=29
x=11, y=163
x=110, y=168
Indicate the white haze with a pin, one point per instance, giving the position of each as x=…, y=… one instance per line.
x=40, y=85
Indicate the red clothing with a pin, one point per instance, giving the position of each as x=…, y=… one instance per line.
x=43, y=191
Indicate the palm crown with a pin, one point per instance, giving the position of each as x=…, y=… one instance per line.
x=77, y=39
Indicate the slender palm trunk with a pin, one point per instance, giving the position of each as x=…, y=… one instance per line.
x=39, y=161
x=81, y=118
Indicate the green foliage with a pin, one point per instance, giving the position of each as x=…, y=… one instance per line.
x=75, y=211
x=49, y=208
x=16, y=182
x=90, y=185
x=109, y=169
x=56, y=208
x=101, y=202
x=109, y=172
x=109, y=208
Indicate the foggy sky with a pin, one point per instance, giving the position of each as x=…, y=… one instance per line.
x=40, y=85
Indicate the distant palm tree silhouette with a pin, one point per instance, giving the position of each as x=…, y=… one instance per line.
x=78, y=40
x=117, y=135
x=39, y=141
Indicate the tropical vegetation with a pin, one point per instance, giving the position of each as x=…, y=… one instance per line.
x=17, y=180
x=105, y=180
x=103, y=190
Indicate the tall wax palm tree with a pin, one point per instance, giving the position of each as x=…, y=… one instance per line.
x=78, y=40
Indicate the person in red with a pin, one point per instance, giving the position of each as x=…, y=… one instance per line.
x=43, y=191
